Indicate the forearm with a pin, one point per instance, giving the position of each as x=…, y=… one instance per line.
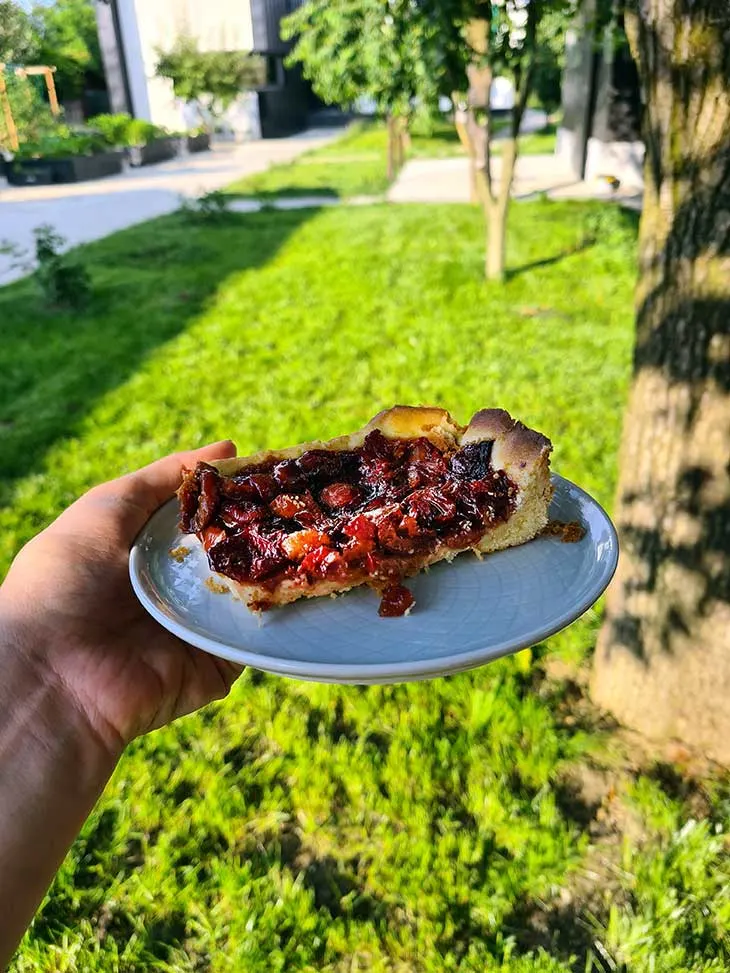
x=52, y=770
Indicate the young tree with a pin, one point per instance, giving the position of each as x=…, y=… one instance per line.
x=505, y=38
x=211, y=79
x=404, y=53
x=663, y=657
x=386, y=51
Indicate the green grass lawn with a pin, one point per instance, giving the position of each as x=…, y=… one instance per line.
x=355, y=165
x=483, y=822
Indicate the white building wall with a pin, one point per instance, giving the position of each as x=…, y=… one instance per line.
x=149, y=25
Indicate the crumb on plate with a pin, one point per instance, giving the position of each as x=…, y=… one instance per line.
x=216, y=587
x=569, y=533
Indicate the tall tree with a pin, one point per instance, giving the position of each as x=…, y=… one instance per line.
x=68, y=40
x=17, y=41
x=663, y=658
x=385, y=50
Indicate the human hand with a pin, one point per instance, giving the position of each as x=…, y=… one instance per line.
x=68, y=605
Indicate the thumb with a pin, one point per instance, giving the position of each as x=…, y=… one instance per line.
x=136, y=496
x=158, y=481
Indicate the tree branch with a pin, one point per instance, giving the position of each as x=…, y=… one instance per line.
x=525, y=69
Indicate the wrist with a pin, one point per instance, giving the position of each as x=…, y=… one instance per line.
x=52, y=771
x=35, y=699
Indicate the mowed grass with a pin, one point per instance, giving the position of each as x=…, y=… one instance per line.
x=355, y=165
x=415, y=828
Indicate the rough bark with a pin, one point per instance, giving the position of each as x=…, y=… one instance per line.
x=470, y=137
x=397, y=129
x=400, y=142
x=392, y=166
x=663, y=658
x=497, y=207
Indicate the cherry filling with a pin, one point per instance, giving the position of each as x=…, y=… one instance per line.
x=371, y=514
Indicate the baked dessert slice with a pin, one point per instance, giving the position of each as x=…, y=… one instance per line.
x=409, y=489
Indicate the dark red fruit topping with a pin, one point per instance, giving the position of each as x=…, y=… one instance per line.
x=373, y=513
x=208, y=497
x=338, y=495
x=431, y=507
x=289, y=477
x=323, y=562
x=240, y=514
x=472, y=462
x=211, y=536
x=396, y=601
x=288, y=505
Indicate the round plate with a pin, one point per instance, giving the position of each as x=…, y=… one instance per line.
x=467, y=613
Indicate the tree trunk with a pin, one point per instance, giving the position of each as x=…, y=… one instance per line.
x=400, y=143
x=392, y=148
x=663, y=658
x=496, y=210
x=462, y=123
x=406, y=136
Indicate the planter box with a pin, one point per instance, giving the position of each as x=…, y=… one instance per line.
x=198, y=143
x=74, y=168
x=30, y=172
x=158, y=150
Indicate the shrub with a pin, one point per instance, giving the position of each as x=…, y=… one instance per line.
x=209, y=208
x=211, y=79
x=32, y=116
x=112, y=128
x=63, y=281
x=140, y=132
x=60, y=143
x=121, y=130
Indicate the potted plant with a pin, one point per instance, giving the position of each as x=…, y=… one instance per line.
x=149, y=143
x=198, y=140
x=63, y=156
x=143, y=142
x=209, y=81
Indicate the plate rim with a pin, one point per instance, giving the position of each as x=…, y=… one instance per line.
x=370, y=673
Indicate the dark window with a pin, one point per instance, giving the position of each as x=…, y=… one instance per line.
x=274, y=71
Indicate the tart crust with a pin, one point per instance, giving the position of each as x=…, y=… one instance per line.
x=522, y=453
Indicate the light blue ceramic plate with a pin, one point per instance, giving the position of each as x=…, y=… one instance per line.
x=467, y=613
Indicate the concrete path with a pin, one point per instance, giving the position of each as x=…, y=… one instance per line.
x=447, y=181
x=89, y=210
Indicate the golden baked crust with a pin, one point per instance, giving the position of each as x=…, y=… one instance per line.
x=400, y=422
x=522, y=453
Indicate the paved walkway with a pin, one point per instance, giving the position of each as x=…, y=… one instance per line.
x=89, y=210
x=447, y=181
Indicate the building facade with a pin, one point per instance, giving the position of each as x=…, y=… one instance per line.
x=131, y=32
x=600, y=132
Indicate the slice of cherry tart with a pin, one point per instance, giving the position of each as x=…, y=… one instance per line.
x=374, y=508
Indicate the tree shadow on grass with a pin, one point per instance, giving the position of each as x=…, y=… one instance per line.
x=150, y=282
x=586, y=244
x=289, y=192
